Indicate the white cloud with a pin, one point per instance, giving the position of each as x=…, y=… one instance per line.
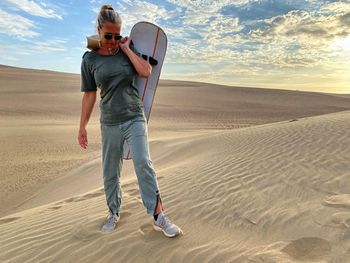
x=96, y=10
x=52, y=45
x=300, y=39
x=30, y=47
x=95, y=1
x=34, y=8
x=297, y=42
x=317, y=28
x=336, y=7
x=135, y=11
x=205, y=5
x=16, y=25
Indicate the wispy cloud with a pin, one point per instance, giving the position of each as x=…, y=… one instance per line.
x=16, y=26
x=35, y=9
x=134, y=11
x=284, y=37
x=48, y=46
x=242, y=42
x=30, y=47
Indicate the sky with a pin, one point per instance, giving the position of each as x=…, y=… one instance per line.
x=296, y=45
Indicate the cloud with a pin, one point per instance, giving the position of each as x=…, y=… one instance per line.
x=217, y=40
x=34, y=8
x=263, y=9
x=16, y=26
x=345, y=20
x=135, y=11
x=48, y=46
x=28, y=49
x=259, y=47
x=297, y=39
x=306, y=27
x=205, y=5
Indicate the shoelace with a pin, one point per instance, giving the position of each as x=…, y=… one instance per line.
x=112, y=218
x=164, y=221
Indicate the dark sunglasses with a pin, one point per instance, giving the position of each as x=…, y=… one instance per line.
x=110, y=36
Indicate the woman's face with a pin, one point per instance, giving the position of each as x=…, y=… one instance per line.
x=109, y=35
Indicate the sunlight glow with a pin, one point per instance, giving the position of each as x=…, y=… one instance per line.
x=343, y=44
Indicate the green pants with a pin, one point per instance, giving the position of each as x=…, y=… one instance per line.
x=136, y=134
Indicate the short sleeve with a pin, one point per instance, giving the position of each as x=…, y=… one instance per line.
x=87, y=78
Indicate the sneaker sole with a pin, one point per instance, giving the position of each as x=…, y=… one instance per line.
x=157, y=228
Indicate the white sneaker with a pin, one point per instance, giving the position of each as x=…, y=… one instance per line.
x=111, y=222
x=163, y=224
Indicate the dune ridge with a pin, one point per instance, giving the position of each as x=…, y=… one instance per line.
x=249, y=174
x=39, y=118
x=270, y=193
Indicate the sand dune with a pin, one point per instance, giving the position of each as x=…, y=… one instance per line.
x=271, y=193
x=251, y=175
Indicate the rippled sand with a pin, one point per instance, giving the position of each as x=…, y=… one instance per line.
x=250, y=175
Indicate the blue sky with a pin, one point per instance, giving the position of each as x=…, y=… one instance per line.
x=302, y=44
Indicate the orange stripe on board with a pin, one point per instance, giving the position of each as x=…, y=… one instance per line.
x=154, y=93
x=146, y=84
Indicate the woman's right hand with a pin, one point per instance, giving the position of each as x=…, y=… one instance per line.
x=82, y=138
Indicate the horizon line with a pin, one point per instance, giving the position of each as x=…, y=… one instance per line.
x=193, y=81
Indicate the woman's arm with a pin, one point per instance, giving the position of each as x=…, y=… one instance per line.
x=88, y=102
x=142, y=66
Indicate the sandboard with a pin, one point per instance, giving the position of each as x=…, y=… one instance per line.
x=149, y=40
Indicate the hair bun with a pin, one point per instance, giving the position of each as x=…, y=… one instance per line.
x=107, y=14
x=106, y=7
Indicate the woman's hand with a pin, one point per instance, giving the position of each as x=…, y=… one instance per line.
x=124, y=43
x=87, y=106
x=142, y=66
x=82, y=138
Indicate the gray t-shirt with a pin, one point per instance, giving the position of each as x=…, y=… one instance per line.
x=115, y=76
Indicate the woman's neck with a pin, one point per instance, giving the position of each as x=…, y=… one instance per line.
x=107, y=51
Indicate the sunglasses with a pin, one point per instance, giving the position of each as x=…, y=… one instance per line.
x=109, y=36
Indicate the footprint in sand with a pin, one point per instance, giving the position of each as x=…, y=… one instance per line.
x=8, y=220
x=123, y=217
x=147, y=232
x=86, y=229
x=81, y=198
x=308, y=248
x=92, y=195
x=337, y=220
x=54, y=207
x=73, y=199
x=125, y=214
x=341, y=201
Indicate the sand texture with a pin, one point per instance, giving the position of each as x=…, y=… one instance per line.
x=250, y=175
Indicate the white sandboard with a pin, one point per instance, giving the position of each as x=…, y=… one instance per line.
x=150, y=40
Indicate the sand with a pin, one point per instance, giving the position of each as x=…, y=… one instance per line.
x=250, y=175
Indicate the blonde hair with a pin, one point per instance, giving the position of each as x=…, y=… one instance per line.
x=107, y=14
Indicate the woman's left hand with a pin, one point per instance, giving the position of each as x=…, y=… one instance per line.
x=142, y=66
x=124, y=43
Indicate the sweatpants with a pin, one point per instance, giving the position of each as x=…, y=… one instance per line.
x=113, y=136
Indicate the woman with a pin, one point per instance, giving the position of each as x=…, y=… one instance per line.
x=113, y=68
